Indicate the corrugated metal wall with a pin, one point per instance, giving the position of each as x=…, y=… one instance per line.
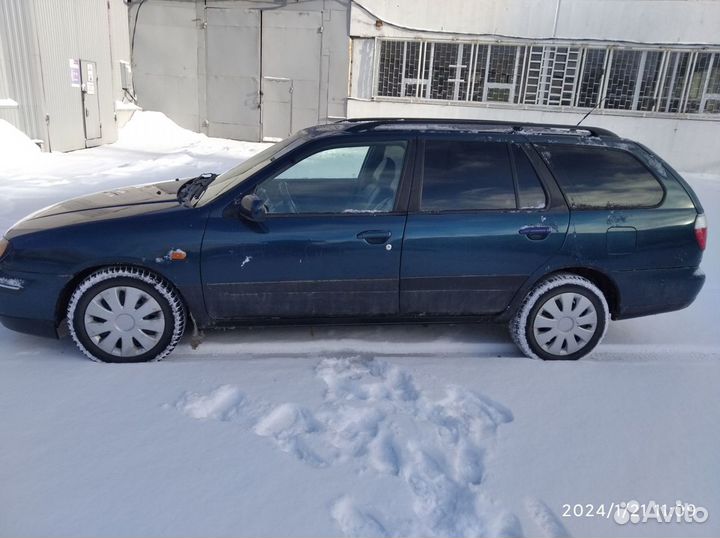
x=74, y=29
x=37, y=40
x=119, y=42
x=20, y=75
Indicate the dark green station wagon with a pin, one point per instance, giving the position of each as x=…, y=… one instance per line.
x=551, y=229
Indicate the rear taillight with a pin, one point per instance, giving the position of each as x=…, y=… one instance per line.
x=701, y=231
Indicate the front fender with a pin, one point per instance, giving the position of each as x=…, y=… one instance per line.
x=66, y=255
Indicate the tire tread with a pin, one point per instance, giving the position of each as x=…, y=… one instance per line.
x=518, y=324
x=163, y=287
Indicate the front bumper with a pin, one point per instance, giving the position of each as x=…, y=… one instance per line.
x=28, y=302
x=36, y=327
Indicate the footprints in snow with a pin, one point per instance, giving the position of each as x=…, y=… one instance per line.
x=375, y=419
x=221, y=404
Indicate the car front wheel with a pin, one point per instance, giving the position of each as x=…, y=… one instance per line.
x=564, y=317
x=124, y=314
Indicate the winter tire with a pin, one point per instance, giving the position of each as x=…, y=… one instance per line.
x=564, y=317
x=125, y=314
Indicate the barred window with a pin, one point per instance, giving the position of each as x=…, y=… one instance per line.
x=593, y=69
x=444, y=59
x=391, y=67
x=646, y=96
x=704, y=84
x=501, y=73
x=672, y=93
x=622, y=79
x=552, y=75
x=548, y=75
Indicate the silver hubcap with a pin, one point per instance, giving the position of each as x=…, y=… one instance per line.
x=124, y=321
x=565, y=323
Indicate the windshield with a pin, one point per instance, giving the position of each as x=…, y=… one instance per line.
x=245, y=169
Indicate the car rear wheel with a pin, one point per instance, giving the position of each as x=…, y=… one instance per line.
x=121, y=314
x=564, y=317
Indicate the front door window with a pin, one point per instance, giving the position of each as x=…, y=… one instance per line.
x=349, y=179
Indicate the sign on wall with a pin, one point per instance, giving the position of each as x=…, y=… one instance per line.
x=90, y=84
x=74, y=73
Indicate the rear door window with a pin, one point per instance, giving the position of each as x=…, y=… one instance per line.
x=597, y=177
x=466, y=175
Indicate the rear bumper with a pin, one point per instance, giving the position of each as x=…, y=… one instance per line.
x=647, y=292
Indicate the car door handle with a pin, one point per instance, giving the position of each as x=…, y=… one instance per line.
x=535, y=232
x=374, y=237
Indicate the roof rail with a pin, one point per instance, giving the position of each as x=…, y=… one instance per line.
x=369, y=124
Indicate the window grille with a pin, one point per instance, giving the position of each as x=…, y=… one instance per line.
x=622, y=79
x=391, y=67
x=548, y=75
x=676, y=69
x=445, y=70
x=501, y=73
x=552, y=75
x=591, y=78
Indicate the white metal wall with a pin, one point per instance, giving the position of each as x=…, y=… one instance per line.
x=38, y=38
x=165, y=59
x=202, y=63
x=232, y=100
x=20, y=76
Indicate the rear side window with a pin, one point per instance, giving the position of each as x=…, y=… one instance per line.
x=531, y=195
x=466, y=175
x=594, y=177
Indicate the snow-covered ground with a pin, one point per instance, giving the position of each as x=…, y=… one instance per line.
x=397, y=431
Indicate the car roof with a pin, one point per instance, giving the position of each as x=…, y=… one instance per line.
x=365, y=125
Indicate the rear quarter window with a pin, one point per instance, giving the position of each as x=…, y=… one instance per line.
x=598, y=177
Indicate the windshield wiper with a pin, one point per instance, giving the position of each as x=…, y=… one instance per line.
x=193, y=188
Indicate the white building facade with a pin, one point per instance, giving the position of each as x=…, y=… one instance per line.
x=647, y=69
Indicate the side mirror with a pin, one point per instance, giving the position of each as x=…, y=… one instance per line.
x=252, y=207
